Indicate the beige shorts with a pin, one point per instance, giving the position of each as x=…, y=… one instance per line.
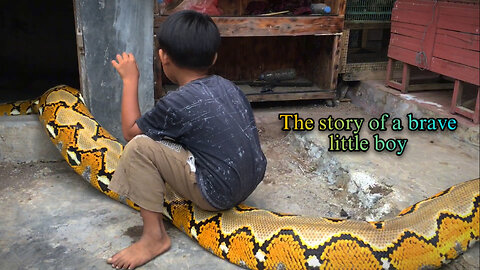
x=146, y=165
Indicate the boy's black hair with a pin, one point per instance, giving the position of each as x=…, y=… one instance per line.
x=191, y=39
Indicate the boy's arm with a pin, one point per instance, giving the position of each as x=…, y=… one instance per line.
x=127, y=68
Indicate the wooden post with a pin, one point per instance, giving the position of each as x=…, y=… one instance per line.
x=476, y=113
x=457, y=95
x=405, y=78
x=394, y=84
x=335, y=62
x=389, y=71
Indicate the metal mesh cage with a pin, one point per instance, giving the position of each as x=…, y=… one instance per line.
x=369, y=10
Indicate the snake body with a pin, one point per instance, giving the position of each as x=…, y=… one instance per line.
x=427, y=234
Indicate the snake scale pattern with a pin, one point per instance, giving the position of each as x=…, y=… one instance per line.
x=426, y=235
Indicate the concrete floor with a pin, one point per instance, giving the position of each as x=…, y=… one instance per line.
x=53, y=219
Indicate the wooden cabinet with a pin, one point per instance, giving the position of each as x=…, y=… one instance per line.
x=252, y=45
x=442, y=37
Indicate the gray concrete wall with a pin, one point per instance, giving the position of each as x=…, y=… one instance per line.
x=108, y=28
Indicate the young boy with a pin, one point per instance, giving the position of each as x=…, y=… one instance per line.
x=216, y=160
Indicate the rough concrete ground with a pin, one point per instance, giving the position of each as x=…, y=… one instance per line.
x=53, y=219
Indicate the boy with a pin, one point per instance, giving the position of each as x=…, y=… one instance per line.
x=217, y=162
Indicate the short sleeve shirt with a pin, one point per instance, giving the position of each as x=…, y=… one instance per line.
x=213, y=119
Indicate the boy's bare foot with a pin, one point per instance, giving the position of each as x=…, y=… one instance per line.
x=140, y=252
x=154, y=241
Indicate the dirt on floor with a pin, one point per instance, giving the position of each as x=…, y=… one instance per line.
x=292, y=172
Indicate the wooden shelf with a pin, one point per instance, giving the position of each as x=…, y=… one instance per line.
x=250, y=26
x=280, y=93
x=283, y=93
x=252, y=45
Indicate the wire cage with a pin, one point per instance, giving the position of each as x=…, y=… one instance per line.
x=369, y=10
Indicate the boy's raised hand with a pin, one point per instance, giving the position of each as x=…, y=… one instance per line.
x=126, y=67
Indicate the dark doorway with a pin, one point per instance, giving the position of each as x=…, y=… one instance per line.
x=38, y=48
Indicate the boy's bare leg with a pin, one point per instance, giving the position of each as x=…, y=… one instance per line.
x=154, y=241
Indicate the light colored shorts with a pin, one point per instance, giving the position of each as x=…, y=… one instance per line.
x=146, y=165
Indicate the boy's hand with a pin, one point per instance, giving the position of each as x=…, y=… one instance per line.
x=126, y=67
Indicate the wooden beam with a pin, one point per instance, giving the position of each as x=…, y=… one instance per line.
x=274, y=26
x=335, y=62
x=455, y=70
x=429, y=86
x=291, y=96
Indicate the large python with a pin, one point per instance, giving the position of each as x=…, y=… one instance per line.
x=427, y=234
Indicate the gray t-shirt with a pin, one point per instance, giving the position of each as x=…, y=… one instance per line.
x=213, y=119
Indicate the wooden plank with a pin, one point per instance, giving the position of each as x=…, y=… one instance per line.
x=464, y=11
x=410, y=16
x=459, y=40
x=251, y=90
x=341, y=7
x=429, y=86
x=406, y=42
x=457, y=55
x=279, y=26
x=457, y=95
x=464, y=111
x=254, y=93
x=335, y=62
x=344, y=49
x=395, y=85
x=409, y=30
x=291, y=96
x=476, y=114
x=405, y=78
x=403, y=55
x=458, y=23
x=274, y=26
x=466, y=1
x=455, y=70
x=389, y=74
x=324, y=54
x=419, y=6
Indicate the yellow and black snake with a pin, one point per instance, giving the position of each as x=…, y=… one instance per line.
x=425, y=235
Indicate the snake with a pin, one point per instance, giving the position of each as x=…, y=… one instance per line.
x=426, y=235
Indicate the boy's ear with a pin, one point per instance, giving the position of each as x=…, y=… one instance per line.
x=163, y=56
x=214, y=59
